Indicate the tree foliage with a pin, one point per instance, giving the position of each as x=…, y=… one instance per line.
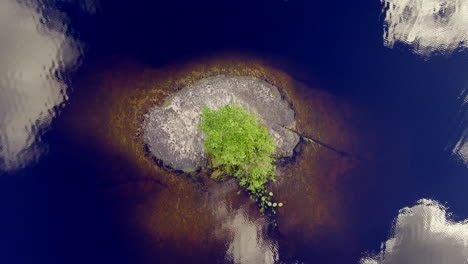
x=238, y=146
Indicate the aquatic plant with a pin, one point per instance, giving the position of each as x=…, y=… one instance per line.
x=238, y=146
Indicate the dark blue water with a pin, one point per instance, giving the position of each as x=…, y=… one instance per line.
x=51, y=210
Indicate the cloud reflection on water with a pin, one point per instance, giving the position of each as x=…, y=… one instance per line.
x=424, y=234
x=428, y=26
x=248, y=244
x=33, y=57
x=460, y=150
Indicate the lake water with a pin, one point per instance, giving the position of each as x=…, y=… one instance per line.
x=387, y=97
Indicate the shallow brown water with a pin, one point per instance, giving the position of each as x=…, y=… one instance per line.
x=170, y=216
x=77, y=185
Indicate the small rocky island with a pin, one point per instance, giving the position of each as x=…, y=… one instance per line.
x=172, y=132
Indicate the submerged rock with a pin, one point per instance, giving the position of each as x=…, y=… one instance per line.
x=171, y=132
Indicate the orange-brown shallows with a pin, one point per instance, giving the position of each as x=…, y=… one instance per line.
x=170, y=215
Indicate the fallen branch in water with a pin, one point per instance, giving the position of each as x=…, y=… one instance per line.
x=318, y=142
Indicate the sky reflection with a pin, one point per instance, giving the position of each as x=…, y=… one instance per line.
x=101, y=177
x=248, y=244
x=428, y=26
x=460, y=150
x=424, y=234
x=32, y=56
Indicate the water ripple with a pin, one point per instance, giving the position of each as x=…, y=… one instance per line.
x=460, y=150
x=35, y=51
x=425, y=234
x=427, y=26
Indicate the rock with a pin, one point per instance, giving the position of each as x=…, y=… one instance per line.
x=171, y=132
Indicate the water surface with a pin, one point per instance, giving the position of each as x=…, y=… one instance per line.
x=76, y=80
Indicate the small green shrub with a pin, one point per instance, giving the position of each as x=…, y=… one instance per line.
x=239, y=147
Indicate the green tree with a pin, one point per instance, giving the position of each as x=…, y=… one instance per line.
x=238, y=146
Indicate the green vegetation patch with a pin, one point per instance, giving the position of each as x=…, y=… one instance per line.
x=238, y=146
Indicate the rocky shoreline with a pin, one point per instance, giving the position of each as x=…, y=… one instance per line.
x=171, y=131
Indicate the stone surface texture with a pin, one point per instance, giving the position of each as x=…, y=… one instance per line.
x=171, y=131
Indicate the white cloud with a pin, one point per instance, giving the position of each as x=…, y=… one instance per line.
x=424, y=234
x=247, y=243
x=426, y=25
x=460, y=150
x=30, y=57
